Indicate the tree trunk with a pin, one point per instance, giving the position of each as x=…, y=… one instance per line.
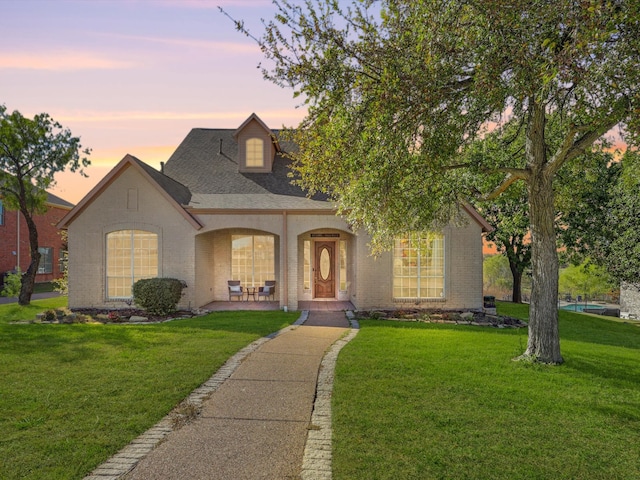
x=516, y=293
x=29, y=278
x=544, y=339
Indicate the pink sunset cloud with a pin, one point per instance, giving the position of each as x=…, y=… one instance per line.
x=61, y=61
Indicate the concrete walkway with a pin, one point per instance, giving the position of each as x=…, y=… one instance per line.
x=255, y=423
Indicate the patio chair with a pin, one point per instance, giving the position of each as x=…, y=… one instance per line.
x=235, y=289
x=268, y=291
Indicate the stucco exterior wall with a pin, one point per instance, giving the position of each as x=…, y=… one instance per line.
x=129, y=202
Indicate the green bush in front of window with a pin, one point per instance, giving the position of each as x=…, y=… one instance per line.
x=158, y=296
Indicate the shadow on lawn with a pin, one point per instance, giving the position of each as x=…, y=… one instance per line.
x=573, y=327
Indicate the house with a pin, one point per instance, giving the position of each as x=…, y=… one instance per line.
x=14, y=239
x=223, y=208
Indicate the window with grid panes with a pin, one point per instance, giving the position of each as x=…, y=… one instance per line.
x=418, y=267
x=131, y=255
x=255, y=152
x=252, y=259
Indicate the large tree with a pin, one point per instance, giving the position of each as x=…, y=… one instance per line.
x=32, y=151
x=396, y=90
x=582, y=187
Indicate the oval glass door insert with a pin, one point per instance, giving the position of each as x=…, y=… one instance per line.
x=325, y=264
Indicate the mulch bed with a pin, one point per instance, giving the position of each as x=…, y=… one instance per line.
x=443, y=316
x=125, y=314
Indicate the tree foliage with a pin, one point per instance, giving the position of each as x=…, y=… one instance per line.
x=32, y=151
x=582, y=194
x=496, y=274
x=620, y=249
x=397, y=91
x=586, y=279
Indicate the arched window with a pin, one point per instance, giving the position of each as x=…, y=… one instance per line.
x=255, y=152
x=131, y=255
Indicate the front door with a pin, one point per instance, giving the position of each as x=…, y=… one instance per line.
x=324, y=271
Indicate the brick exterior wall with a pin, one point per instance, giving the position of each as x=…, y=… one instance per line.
x=129, y=203
x=14, y=226
x=202, y=257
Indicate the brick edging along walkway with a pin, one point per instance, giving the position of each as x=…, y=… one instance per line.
x=316, y=462
x=317, y=455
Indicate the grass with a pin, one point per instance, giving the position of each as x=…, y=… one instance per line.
x=72, y=395
x=433, y=401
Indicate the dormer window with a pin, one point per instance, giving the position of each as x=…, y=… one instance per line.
x=255, y=152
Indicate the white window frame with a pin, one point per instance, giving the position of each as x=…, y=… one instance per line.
x=254, y=152
x=246, y=268
x=135, y=252
x=433, y=263
x=45, y=265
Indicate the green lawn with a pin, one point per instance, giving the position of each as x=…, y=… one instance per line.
x=433, y=401
x=72, y=395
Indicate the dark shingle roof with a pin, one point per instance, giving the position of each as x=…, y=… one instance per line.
x=55, y=200
x=176, y=190
x=207, y=166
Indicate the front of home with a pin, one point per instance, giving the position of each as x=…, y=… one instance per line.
x=223, y=208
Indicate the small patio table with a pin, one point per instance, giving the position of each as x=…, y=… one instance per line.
x=251, y=291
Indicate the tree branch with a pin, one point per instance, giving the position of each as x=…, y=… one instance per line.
x=513, y=175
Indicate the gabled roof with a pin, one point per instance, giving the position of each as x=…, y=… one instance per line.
x=176, y=194
x=255, y=117
x=207, y=163
x=473, y=213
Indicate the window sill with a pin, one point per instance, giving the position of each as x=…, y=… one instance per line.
x=420, y=300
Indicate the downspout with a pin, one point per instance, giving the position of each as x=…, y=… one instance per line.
x=285, y=260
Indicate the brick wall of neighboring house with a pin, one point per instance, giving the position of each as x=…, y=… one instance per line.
x=14, y=231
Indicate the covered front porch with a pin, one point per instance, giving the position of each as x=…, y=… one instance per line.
x=312, y=305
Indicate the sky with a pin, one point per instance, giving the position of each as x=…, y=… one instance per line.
x=135, y=76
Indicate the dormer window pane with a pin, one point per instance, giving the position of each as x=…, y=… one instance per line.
x=255, y=152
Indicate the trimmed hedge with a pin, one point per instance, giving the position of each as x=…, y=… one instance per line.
x=158, y=296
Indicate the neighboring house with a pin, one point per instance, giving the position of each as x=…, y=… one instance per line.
x=223, y=208
x=14, y=239
x=629, y=301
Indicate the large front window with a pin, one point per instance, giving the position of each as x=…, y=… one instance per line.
x=131, y=256
x=252, y=259
x=418, y=267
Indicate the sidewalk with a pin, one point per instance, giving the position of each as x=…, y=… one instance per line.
x=255, y=424
x=35, y=296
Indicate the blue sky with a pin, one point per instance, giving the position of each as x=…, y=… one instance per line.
x=133, y=76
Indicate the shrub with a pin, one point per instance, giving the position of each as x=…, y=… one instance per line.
x=158, y=296
x=61, y=285
x=12, y=284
